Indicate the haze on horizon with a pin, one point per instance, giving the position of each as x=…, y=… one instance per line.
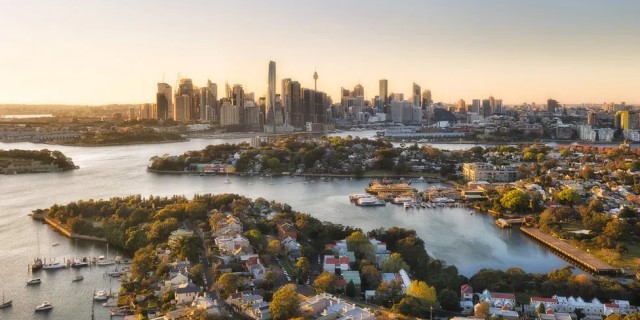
x=100, y=52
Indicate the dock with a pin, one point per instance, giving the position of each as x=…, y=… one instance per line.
x=583, y=259
x=68, y=233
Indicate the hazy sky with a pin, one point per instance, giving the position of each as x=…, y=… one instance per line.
x=115, y=51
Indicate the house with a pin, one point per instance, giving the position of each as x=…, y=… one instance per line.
x=255, y=267
x=287, y=229
x=228, y=244
x=353, y=276
x=498, y=299
x=325, y=306
x=466, y=298
x=186, y=293
x=401, y=277
x=292, y=247
x=180, y=233
x=230, y=226
x=211, y=306
x=332, y=263
x=174, y=282
x=179, y=267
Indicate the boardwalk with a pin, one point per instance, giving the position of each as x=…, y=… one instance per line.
x=584, y=259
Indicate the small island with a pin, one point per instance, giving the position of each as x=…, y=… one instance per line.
x=32, y=161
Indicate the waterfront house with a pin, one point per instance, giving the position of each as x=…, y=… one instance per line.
x=498, y=299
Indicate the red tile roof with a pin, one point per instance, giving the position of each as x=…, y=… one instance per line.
x=611, y=305
x=498, y=295
x=466, y=288
x=542, y=299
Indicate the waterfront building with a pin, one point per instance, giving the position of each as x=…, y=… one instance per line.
x=478, y=171
x=592, y=119
x=229, y=114
x=164, y=105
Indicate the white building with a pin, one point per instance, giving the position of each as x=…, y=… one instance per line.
x=478, y=171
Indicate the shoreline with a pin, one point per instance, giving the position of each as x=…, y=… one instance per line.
x=327, y=175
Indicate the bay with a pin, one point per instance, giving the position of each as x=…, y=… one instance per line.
x=470, y=242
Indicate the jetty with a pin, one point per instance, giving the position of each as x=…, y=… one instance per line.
x=63, y=230
x=583, y=259
x=508, y=223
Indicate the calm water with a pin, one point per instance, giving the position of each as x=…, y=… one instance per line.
x=470, y=242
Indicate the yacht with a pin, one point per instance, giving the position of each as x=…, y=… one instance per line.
x=101, y=296
x=80, y=263
x=407, y=205
x=102, y=261
x=34, y=282
x=44, y=306
x=402, y=200
x=77, y=278
x=52, y=265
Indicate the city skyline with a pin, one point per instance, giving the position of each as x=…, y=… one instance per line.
x=100, y=53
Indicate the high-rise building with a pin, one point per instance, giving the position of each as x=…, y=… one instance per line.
x=476, y=106
x=499, y=108
x=415, y=94
x=426, y=98
x=358, y=91
x=461, y=106
x=164, y=105
x=486, y=108
x=384, y=90
x=344, y=92
x=145, y=111
x=492, y=104
x=182, y=108
x=552, y=106
x=271, y=94
x=186, y=88
x=592, y=119
x=208, y=102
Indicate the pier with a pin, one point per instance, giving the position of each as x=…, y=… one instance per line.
x=68, y=233
x=585, y=260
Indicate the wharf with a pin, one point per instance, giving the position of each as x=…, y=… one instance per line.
x=583, y=259
x=70, y=234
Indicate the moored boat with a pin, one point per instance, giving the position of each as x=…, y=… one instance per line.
x=370, y=202
x=53, y=265
x=77, y=278
x=101, y=296
x=34, y=281
x=46, y=305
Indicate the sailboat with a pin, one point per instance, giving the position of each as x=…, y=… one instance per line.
x=104, y=261
x=5, y=304
x=79, y=263
x=37, y=262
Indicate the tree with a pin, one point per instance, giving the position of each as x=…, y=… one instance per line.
x=615, y=229
x=188, y=247
x=143, y=261
x=394, y=264
x=515, y=200
x=360, y=245
x=273, y=248
x=425, y=293
x=569, y=196
x=302, y=269
x=195, y=273
x=350, y=291
x=449, y=300
x=370, y=277
x=227, y=284
x=481, y=310
x=325, y=282
x=540, y=309
x=285, y=304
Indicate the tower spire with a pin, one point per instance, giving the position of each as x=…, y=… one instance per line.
x=315, y=80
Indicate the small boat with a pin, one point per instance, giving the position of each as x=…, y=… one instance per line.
x=79, y=264
x=46, y=305
x=77, y=278
x=5, y=304
x=101, y=296
x=407, y=205
x=114, y=273
x=110, y=303
x=55, y=244
x=34, y=281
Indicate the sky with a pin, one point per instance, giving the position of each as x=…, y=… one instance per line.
x=94, y=52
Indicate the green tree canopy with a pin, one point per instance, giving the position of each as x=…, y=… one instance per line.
x=285, y=304
x=394, y=264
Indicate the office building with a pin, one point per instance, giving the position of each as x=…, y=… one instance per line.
x=358, y=91
x=592, y=119
x=384, y=91
x=488, y=172
x=416, y=96
x=426, y=98
x=164, y=105
x=552, y=106
x=461, y=106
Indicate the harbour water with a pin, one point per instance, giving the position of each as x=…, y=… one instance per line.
x=470, y=242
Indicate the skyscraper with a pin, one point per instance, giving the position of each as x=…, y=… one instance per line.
x=164, y=103
x=384, y=90
x=552, y=105
x=358, y=91
x=415, y=95
x=476, y=106
x=271, y=94
x=426, y=98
